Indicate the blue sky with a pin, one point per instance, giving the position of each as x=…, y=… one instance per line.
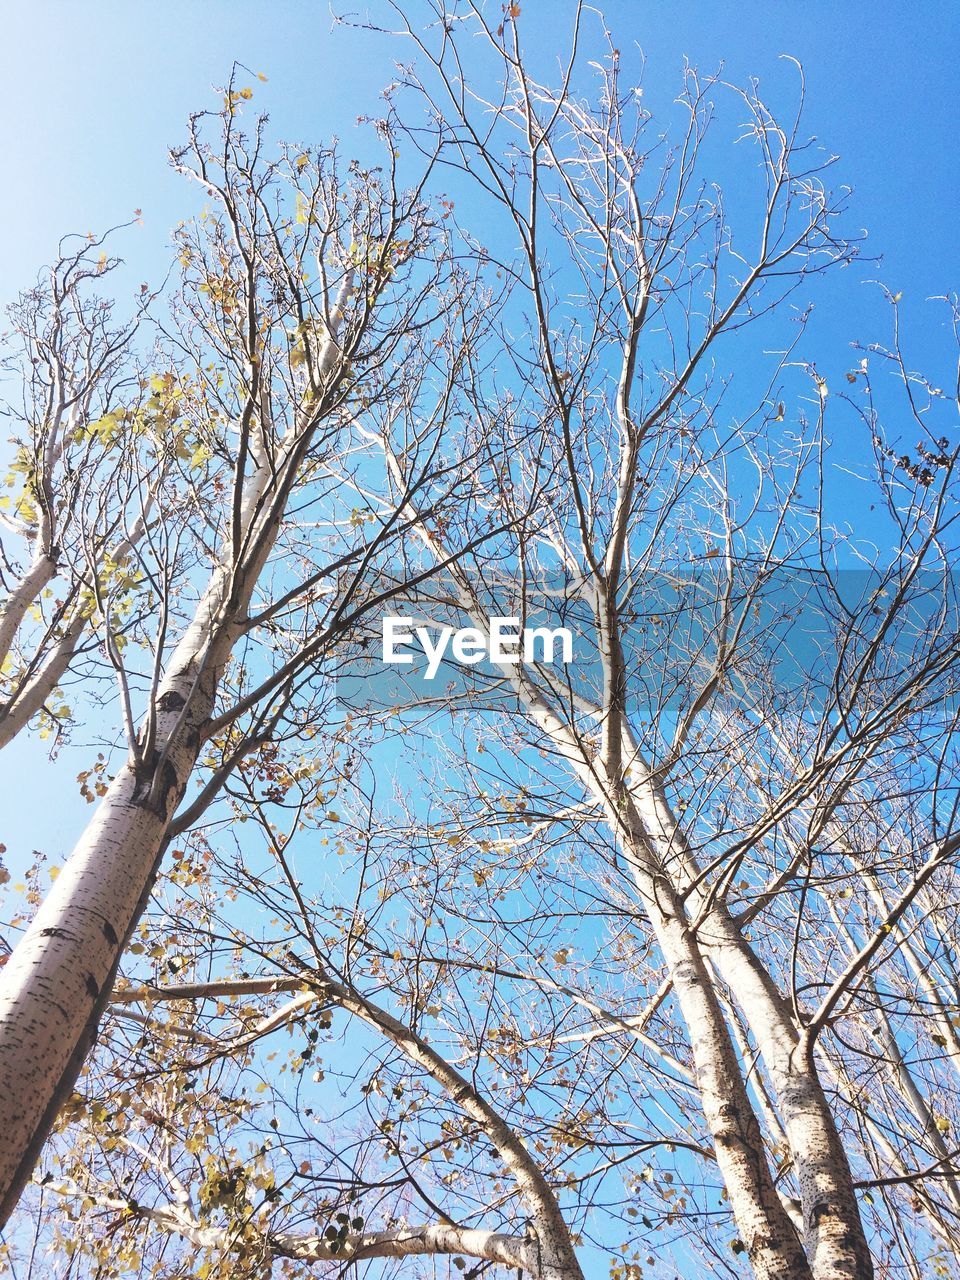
x=93, y=94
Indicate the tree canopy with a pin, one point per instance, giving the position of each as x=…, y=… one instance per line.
x=639, y=965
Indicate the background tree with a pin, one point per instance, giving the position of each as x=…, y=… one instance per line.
x=665, y=465
x=83, y=479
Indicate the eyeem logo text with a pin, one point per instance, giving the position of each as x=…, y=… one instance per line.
x=503, y=642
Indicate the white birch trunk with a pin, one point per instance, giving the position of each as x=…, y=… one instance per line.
x=763, y=1223
x=56, y=981
x=833, y=1231
x=14, y=609
x=765, y=1227
x=433, y=1240
x=16, y=714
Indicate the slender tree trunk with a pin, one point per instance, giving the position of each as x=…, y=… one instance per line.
x=643, y=822
x=765, y=1228
x=430, y=1241
x=768, y=1234
x=888, y=1159
x=836, y=1243
x=834, y=1233
x=17, y=713
x=935, y=1007
x=910, y=1091
x=14, y=609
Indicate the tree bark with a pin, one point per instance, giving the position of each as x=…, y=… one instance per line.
x=56, y=980
x=14, y=609
x=833, y=1231
x=17, y=713
x=765, y=1228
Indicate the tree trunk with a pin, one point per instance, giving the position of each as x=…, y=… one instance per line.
x=765, y=1228
x=17, y=713
x=641, y=818
x=55, y=983
x=835, y=1240
x=14, y=609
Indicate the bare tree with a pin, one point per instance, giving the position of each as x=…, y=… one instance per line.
x=307, y=290
x=653, y=447
x=646, y=961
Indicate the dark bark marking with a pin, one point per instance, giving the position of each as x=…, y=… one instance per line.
x=168, y=782
x=148, y=784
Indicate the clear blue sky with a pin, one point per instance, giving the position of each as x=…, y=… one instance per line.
x=94, y=93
